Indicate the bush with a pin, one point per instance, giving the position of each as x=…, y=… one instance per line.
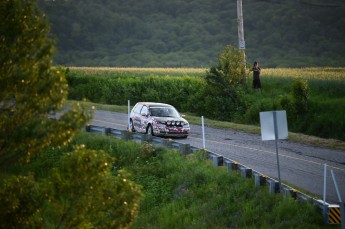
x=326, y=118
x=300, y=94
x=83, y=192
x=177, y=91
x=20, y=200
x=81, y=189
x=223, y=91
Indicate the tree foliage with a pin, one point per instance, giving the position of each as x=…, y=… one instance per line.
x=81, y=190
x=223, y=92
x=30, y=89
x=20, y=200
x=300, y=94
x=175, y=33
x=228, y=72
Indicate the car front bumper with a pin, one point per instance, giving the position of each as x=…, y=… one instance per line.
x=172, y=131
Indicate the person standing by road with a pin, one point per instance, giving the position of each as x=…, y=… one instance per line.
x=256, y=76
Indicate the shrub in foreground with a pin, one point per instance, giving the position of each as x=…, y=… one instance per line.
x=82, y=190
x=179, y=191
x=189, y=192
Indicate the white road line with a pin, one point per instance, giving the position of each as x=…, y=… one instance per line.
x=273, y=153
x=245, y=147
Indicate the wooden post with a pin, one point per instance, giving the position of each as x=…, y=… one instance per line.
x=241, y=42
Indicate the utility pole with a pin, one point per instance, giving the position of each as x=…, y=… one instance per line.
x=241, y=42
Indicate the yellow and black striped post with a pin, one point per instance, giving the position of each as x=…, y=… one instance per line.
x=334, y=216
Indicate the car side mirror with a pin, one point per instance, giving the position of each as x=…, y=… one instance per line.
x=143, y=114
x=182, y=115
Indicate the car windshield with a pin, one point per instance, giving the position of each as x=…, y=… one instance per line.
x=164, y=112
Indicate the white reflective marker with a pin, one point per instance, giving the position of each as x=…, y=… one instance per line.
x=129, y=119
x=336, y=186
x=324, y=187
x=203, y=132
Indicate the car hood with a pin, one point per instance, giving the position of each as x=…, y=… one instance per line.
x=165, y=119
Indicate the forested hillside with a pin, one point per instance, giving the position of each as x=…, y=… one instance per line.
x=180, y=33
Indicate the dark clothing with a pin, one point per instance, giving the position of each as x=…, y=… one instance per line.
x=256, y=77
x=256, y=72
x=256, y=83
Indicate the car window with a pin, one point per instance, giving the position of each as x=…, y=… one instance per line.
x=144, y=110
x=156, y=111
x=137, y=108
x=164, y=112
x=172, y=112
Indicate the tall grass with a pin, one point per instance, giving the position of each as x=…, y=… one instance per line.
x=115, y=71
x=189, y=192
x=325, y=83
x=306, y=73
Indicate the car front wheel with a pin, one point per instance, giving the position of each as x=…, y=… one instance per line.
x=131, y=126
x=150, y=130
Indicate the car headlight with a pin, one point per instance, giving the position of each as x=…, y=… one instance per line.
x=158, y=122
x=169, y=123
x=178, y=123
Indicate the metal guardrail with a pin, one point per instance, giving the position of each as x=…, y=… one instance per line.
x=218, y=160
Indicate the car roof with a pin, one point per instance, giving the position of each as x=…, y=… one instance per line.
x=152, y=104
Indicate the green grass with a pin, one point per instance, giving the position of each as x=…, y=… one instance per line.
x=189, y=192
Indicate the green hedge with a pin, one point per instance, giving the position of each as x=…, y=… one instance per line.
x=177, y=91
x=324, y=116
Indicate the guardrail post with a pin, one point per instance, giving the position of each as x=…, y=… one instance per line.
x=217, y=160
x=259, y=180
x=184, y=149
x=107, y=131
x=334, y=214
x=227, y=163
x=166, y=142
x=125, y=135
x=290, y=193
x=231, y=165
x=247, y=173
x=194, y=149
x=273, y=186
x=146, y=138
x=326, y=213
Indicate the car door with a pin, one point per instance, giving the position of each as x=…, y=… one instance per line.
x=136, y=116
x=144, y=116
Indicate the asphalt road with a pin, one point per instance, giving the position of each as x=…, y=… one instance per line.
x=300, y=165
